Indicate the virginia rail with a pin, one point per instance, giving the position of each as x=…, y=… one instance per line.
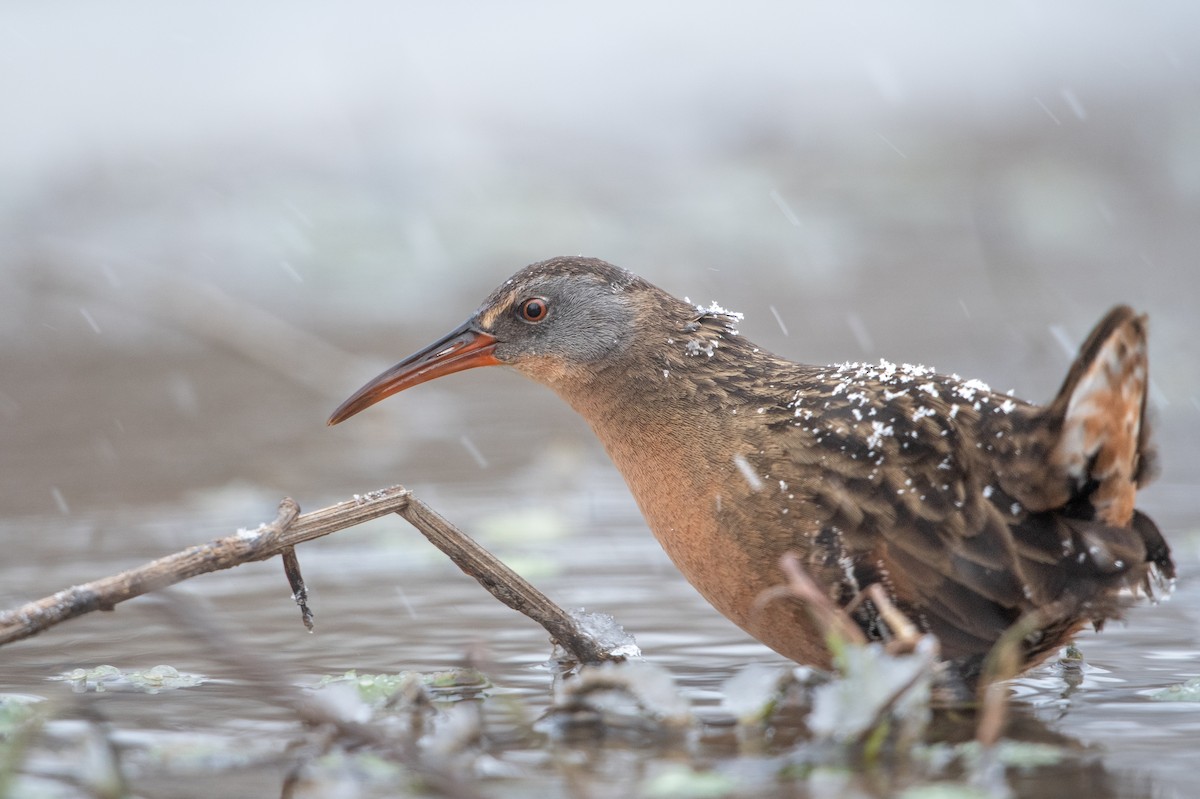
x=972, y=509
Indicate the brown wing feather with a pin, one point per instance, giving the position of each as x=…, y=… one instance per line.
x=971, y=507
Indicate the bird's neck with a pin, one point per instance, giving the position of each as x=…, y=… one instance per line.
x=667, y=412
x=659, y=379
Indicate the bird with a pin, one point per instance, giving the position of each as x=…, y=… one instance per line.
x=973, y=510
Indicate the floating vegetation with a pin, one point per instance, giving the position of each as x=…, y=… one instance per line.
x=876, y=693
x=16, y=710
x=684, y=782
x=624, y=697
x=377, y=689
x=109, y=678
x=1181, y=692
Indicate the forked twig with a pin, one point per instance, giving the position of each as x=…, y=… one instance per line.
x=280, y=537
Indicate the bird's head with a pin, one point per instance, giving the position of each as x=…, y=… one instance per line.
x=556, y=321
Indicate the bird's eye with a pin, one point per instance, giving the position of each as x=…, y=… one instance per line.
x=533, y=309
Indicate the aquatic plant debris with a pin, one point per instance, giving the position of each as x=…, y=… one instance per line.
x=376, y=689
x=869, y=680
x=109, y=678
x=752, y=693
x=17, y=710
x=1181, y=692
x=684, y=782
x=946, y=790
x=601, y=687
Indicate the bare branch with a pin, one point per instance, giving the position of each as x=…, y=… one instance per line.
x=503, y=583
x=280, y=538
x=286, y=531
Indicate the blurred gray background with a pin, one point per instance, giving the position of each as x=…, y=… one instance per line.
x=217, y=220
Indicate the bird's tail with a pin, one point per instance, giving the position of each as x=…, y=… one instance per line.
x=1103, y=446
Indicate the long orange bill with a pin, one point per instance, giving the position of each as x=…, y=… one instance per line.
x=463, y=348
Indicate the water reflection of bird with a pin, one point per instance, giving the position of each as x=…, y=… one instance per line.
x=972, y=509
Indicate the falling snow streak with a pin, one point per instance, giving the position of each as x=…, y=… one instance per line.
x=87, y=317
x=473, y=451
x=779, y=320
